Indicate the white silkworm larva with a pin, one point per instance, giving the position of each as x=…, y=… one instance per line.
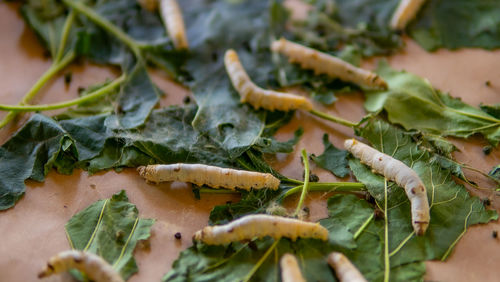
x=322, y=63
x=260, y=225
x=290, y=270
x=396, y=171
x=345, y=270
x=171, y=15
x=95, y=267
x=212, y=176
x=406, y=11
x=256, y=96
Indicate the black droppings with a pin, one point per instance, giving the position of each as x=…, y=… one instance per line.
x=178, y=235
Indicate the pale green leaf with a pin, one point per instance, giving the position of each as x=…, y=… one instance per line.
x=412, y=102
x=111, y=229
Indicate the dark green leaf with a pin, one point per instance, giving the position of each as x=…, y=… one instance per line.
x=453, y=210
x=47, y=20
x=332, y=159
x=270, y=145
x=495, y=173
x=255, y=201
x=136, y=100
x=110, y=228
x=492, y=110
x=243, y=26
x=437, y=26
x=362, y=24
x=30, y=153
x=412, y=102
x=233, y=262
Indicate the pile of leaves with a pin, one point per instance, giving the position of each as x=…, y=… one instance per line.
x=124, y=128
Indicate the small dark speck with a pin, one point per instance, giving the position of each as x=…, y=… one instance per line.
x=369, y=198
x=80, y=89
x=186, y=100
x=494, y=234
x=378, y=214
x=65, y=206
x=487, y=150
x=486, y=201
x=313, y=178
x=487, y=83
x=68, y=77
x=178, y=235
x=253, y=246
x=93, y=186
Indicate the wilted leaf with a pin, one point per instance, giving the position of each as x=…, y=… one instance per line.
x=332, y=159
x=412, y=102
x=111, y=229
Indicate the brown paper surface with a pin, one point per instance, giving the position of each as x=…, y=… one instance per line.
x=33, y=230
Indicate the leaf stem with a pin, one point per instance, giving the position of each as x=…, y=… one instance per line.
x=401, y=245
x=445, y=256
x=313, y=187
x=329, y=187
x=93, y=95
x=293, y=181
x=64, y=37
x=260, y=262
x=53, y=70
x=386, y=237
x=333, y=118
x=363, y=227
x=305, y=160
x=105, y=24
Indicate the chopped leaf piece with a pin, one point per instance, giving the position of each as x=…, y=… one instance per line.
x=492, y=110
x=332, y=159
x=111, y=229
x=412, y=102
x=495, y=173
x=437, y=26
x=270, y=145
x=452, y=209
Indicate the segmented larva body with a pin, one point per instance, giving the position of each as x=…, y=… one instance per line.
x=396, y=171
x=345, y=270
x=260, y=225
x=322, y=63
x=407, y=10
x=257, y=97
x=171, y=15
x=290, y=270
x=212, y=176
x=95, y=267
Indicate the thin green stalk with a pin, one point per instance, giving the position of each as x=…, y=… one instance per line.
x=292, y=181
x=64, y=37
x=363, y=227
x=53, y=70
x=93, y=95
x=260, y=262
x=333, y=118
x=450, y=248
x=401, y=245
x=331, y=187
x=387, y=262
x=224, y=260
x=306, y=182
x=105, y=24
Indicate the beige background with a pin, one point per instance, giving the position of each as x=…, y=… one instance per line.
x=33, y=230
